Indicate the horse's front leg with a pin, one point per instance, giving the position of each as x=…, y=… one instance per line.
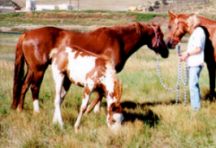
x=58, y=78
x=95, y=103
x=83, y=107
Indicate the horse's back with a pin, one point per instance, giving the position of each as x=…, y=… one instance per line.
x=37, y=44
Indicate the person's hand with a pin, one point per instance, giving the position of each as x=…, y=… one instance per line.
x=184, y=56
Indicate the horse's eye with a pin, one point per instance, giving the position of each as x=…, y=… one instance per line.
x=169, y=27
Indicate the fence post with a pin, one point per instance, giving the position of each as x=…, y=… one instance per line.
x=30, y=5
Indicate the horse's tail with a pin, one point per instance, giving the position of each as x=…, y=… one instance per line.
x=18, y=72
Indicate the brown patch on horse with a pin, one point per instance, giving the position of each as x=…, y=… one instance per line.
x=116, y=106
x=61, y=59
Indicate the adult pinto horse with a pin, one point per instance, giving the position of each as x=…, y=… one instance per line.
x=179, y=25
x=117, y=43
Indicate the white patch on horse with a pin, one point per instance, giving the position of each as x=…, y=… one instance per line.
x=108, y=78
x=53, y=52
x=90, y=84
x=118, y=118
x=79, y=66
x=110, y=100
x=58, y=78
x=36, y=106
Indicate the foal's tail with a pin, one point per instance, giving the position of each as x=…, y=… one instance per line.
x=18, y=72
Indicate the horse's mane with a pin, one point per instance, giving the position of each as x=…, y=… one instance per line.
x=129, y=27
x=122, y=29
x=202, y=18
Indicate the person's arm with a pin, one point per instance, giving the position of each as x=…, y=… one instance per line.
x=186, y=54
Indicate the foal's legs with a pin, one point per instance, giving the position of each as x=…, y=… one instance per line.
x=98, y=103
x=66, y=86
x=83, y=107
x=58, y=78
x=25, y=86
x=95, y=103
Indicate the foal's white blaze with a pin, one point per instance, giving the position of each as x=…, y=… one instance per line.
x=79, y=67
x=118, y=118
x=36, y=106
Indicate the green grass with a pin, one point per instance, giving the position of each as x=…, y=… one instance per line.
x=153, y=119
x=71, y=18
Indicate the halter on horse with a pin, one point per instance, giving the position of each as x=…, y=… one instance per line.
x=117, y=43
x=179, y=25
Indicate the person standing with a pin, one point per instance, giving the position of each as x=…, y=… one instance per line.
x=194, y=56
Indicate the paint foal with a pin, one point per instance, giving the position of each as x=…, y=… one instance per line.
x=91, y=71
x=178, y=26
x=117, y=43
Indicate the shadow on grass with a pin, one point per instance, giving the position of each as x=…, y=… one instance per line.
x=134, y=105
x=210, y=96
x=147, y=116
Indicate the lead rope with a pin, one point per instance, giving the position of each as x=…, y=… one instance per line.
x=180, y=78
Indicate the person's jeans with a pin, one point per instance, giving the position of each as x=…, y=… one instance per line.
x=194, y=74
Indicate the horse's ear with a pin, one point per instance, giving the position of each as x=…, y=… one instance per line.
x=171, y=14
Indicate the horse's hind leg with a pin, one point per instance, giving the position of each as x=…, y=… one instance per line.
x=25, y=86
x=35, y=88
x=212, y=73
x=97, y=105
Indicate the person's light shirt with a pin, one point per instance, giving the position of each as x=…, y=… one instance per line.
x=197, y=39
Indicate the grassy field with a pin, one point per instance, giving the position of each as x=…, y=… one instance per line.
x=152, y=119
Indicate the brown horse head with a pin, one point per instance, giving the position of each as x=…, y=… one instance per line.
x=157, y=43
x=178, y=26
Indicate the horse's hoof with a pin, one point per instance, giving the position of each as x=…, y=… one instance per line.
x=13, y=106
x=76, y=129
x=36, y=112
x=19, y=109
x=211, y=96
x=96, y=110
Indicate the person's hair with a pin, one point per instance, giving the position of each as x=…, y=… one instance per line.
x=193, y=21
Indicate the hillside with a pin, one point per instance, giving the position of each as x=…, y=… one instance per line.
x=197, y=6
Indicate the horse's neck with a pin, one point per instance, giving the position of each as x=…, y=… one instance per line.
x=133, y=39
x=205, y=21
